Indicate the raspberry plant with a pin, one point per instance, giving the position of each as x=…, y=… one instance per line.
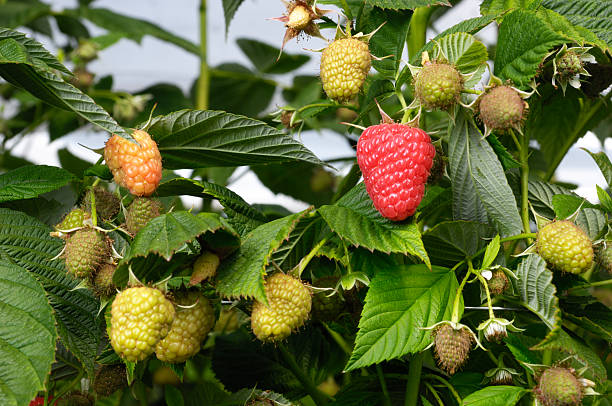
x=459, y=271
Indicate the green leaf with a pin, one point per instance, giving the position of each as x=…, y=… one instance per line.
x=519, y=347
x=229, y=10
x=242, y=274
x=604, y=198
x=31, y=181
x=27, y=333
x=173, y=396
x=25, y=242
x=562, y=341
x=591, y=14
x=166, y=234
x=464, y=51
x=561, y=25
x=400, y=302
x=593, y=222
x=18, y=13
x=12, y=51
x=450, y=242
x=235, y=88
x=242, y=216
x=266, y=58
x=566, y=205
x=389, y=41
x=537, y=292
x=524, y=41
x=52, y=89
x=470, y=26
x=202, y=139
x=558, y=120
x=355, y=220
x=603, y=161
x=408, y=4
x=316, y=188
x=541, y=195
x=501, y=6
x=506, y=159
x=480, y=189
x=595, y=318
x=491, y=252
x=39, y=56
x=495, y=396
x=132, y=28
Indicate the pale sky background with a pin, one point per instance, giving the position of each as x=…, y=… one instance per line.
x=136, y=66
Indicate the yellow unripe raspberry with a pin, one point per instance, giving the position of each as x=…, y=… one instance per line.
x=345, y=64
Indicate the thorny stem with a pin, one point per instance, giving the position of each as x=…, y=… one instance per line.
x=204, y=80
x=414, y=380
x=317, y=396
x=383, y=386
x=339, y=340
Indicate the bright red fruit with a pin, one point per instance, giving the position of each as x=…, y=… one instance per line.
x=395, y=160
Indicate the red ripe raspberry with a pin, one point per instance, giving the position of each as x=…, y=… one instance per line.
x=137, y=168
x=395, y=160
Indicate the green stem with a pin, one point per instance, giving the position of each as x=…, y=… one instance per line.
x=339, y=340
x=383, y=386
x=484, y=283
x=547, y=357
x=204, y=80
x=347, y=9
x=414, y=380
x=447, y=384
x=317, y=396
x=471, y=91
x=418, y=29
x=524, y=151
x=458, y=296
x=94, y=215
x=306, y=260
x=434, y=392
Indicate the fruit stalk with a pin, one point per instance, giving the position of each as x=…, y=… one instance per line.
x=383, y=386
x=414, y=380
x=204, y=80
x=317, y=396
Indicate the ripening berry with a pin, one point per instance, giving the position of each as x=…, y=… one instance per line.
x=135, y=167
x=140, y=318
x=109, y=379
x=326, y=304
x=74, y=219
x=107, y=203
x=502, y=108
x=289, y=303
x=565, y=247
x=189, y=328
x=345, y=64
x=452, y=347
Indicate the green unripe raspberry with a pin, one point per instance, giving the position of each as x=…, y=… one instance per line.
x=565, y=247
x=452, y=347
x=205, y=267
x=502, y=108
x=289, y=304
x=438, y=86
x=141, y=211
x=345, y=64
x=140, y=318
x=569, y=64
x=559, y=387
x=74, y=219
x=103, y=285
x=109, y=379
x=86, y=250
x=107, y=203
x=324, y=306
x=498, y=283
x=189, y=328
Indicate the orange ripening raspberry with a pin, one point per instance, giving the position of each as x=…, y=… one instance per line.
x=137, y=168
